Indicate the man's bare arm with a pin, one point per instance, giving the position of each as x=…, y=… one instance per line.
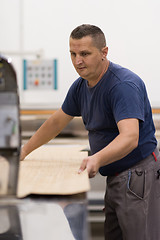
x=49, y=130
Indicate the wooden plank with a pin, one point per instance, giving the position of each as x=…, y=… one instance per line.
x=4, y=175
x=51, y=111
x=53, y=170
x=36, y=112
x=156, y=110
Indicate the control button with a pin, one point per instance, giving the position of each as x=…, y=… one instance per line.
x=29, y=68
x=36, y=82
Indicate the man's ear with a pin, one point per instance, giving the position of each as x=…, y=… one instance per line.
x=104, y=52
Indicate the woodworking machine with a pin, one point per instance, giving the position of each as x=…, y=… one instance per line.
x=10, y=140
x=33, y=217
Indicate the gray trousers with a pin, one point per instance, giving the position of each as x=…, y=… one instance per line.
x=132, y=202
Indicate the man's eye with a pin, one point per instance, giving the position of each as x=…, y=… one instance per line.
x=73, y=54
x=85, y=54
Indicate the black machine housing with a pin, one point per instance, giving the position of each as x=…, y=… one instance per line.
x=10, y=137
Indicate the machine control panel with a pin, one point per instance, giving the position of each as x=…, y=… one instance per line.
x=40, y=74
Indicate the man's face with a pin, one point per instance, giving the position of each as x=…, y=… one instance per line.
x=86, y=58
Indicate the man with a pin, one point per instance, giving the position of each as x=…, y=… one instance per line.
x=116, y=112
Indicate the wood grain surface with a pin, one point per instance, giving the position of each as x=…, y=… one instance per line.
x=53, y=170
x=4, y=175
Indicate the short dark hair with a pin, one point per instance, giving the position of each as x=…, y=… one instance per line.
x=90, y=30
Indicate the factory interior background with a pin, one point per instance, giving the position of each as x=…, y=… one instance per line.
x=31, y=29
x=35, y=37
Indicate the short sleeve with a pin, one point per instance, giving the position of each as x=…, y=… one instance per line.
x=71, y=103
x=127, y=101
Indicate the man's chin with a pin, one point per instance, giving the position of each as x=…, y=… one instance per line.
x=82, y=74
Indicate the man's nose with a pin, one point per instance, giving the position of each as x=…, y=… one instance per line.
x=78, y=60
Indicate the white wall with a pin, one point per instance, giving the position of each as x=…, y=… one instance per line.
x=132, y=28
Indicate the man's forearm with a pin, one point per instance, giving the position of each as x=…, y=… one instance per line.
x=49, y=130
x=43, y=135
x=117, y=149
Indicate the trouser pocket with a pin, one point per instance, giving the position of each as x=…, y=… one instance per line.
x=157, y=180
x=136, y=183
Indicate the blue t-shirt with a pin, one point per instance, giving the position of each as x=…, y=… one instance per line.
x=120, y=94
